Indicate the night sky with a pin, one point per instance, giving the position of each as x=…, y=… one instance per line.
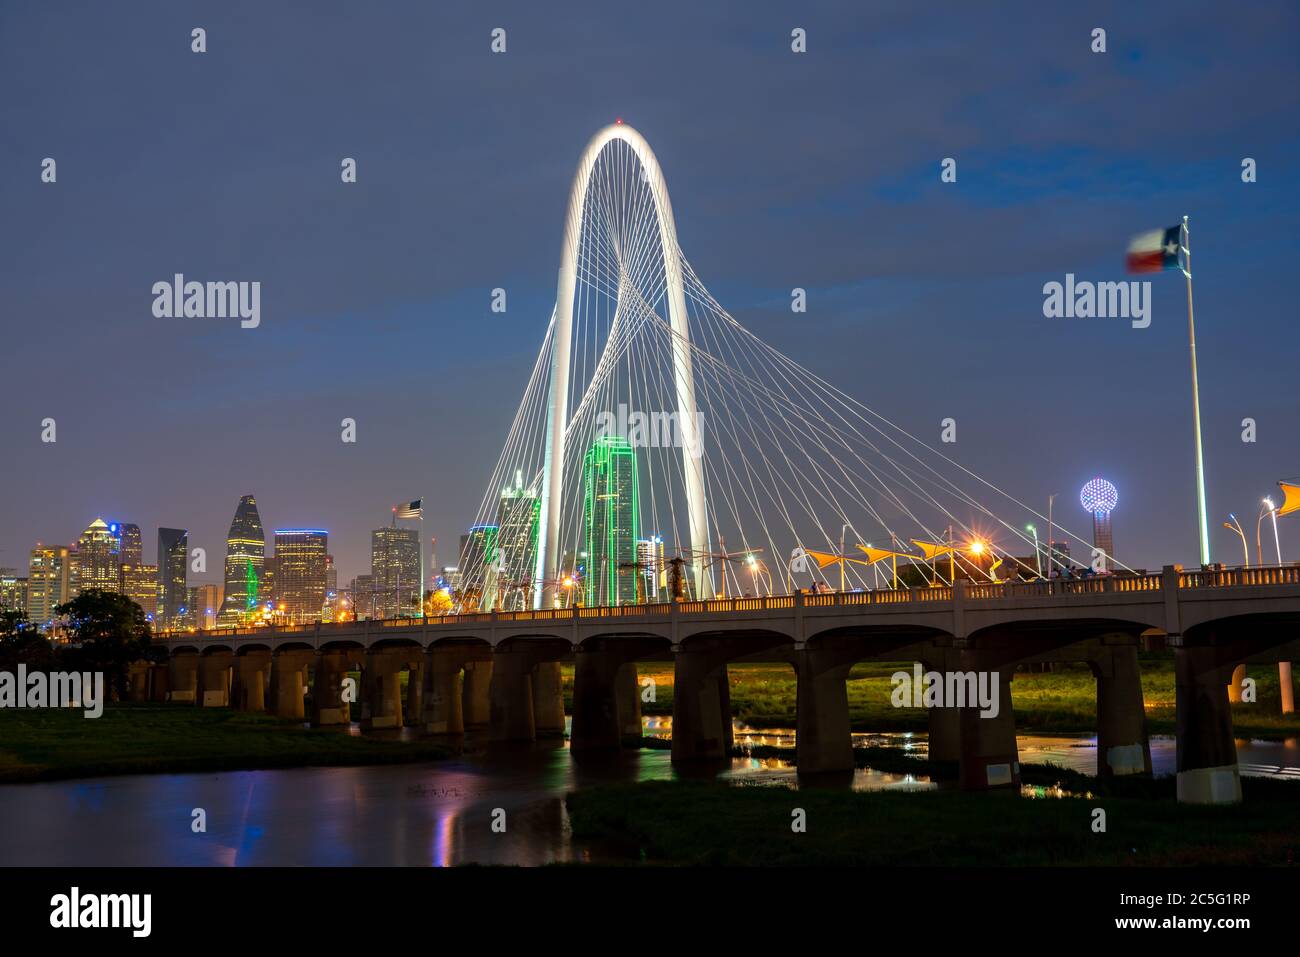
x=818, y=170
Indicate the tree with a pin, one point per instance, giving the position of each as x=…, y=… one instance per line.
x=21, y=642
x=109, y=631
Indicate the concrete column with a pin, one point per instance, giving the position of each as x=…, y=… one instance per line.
x=443, y=707
x=138, y=674
x=823, y=741
x=183, y=678
x=511, y=712
x=945, y=734
x=381, y=698
x=1234, y=684
x=158, y=677
x=989, y=758
x=287, y=687
x=595, y=701
x=548, y=699
x=627, y=700
x=699, y=731
x=1122, y=743
x=1207, y=753
x=1288, y=687
x=327, y=704
x=415, y=696
x=248, y=683
x=477, y=694
x=214, y=681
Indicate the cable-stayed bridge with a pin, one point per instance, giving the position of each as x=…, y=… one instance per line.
x=673, y=488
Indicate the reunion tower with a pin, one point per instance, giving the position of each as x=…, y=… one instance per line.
x=1100, y=498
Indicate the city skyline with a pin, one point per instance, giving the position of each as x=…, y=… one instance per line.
x=888, y=293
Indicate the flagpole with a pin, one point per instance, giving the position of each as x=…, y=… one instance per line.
x=1202, y=519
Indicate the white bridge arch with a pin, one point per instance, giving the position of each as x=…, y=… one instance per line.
x=557, y=411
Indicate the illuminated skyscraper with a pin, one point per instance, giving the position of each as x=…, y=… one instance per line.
x=98, y=558
x=517, y=516
x=609, y=518
x=51, y=580
x=245, y=561
x=362, y=598
x=130, y=547
x=173, y=559
x=300, y=559
x=395, y=570
x=651, y=567
x=140, y=584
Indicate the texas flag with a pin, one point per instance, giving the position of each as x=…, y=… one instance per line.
x=1154, y=251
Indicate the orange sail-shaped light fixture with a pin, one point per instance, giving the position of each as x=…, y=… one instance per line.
x=932, y=550
x=1291, y=503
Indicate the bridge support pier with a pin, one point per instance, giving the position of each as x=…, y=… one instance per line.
x=548, y=700
x=945, y=734
x=415, y=693
x=627, y=701
x=478, y=694
x=248, y=681
x=823, y=738
x=327, y=704
x=989, y=757
x=214, y=680
x=701, y=708
x=1207, y=753
x=381, y=699
x=606, y=699
x=287, y=684
x=1122, y=743
x=183, y=678
x=442, y=695
x=512, y=716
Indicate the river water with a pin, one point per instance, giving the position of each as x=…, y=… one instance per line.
x=421, y=814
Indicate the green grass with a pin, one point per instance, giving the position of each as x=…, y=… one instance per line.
x=1063, y=701
x=54, y=743
x=693, y=823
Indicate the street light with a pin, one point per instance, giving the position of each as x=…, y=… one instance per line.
x=1277, y=543
x=1235, y=526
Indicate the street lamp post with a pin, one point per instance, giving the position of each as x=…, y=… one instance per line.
x=1235, y=526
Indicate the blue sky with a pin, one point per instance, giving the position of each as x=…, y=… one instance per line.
x=817, y=170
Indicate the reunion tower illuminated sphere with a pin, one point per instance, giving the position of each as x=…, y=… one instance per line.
x=1100, y=498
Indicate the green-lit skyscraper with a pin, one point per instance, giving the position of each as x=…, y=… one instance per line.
x=609, y=521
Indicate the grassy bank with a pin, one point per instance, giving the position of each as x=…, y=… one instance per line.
x=1062, y=701
x=691, y=823
x=54, y=743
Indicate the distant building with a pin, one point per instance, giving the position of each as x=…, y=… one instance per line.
x=395, y=571
x=13, y=591
x=173, y=562
x=245, y=563
x=98, y=558
x=478, y=567
x=363, y=599
x=51, y=580
x=203, y=605
x=517, y=515
x=300, y=559
x=331, y=589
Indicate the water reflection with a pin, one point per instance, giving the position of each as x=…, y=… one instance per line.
x=437, y=813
